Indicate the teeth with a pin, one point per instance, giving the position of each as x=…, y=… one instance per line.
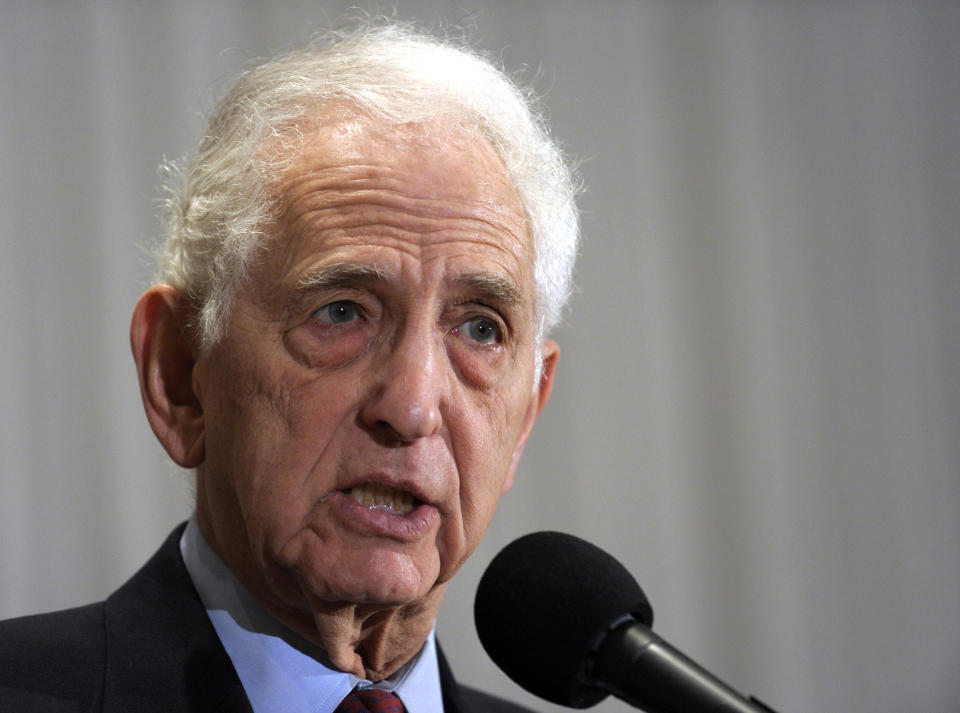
x=376, y=497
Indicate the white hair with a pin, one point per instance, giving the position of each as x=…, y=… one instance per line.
x=219, y=204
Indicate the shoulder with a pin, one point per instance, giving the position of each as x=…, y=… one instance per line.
x=53, y=662
x=480, y=701
x=60, y=661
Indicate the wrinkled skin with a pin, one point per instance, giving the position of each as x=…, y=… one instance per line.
x=386, y=341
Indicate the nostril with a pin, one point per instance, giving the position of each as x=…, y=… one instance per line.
x=387, y=434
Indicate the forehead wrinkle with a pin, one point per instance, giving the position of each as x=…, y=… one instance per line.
x=354, y=211
x=380, y=197
x=484, y=194
x=377, y=227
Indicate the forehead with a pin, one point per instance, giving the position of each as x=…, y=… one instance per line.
x=428, y=188
x=435, y=159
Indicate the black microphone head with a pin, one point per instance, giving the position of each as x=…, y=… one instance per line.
x=544, y=604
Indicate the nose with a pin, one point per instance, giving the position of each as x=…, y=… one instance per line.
x=405, y=401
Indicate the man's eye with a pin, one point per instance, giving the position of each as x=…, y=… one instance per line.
x=481, y=330
x=337, y=312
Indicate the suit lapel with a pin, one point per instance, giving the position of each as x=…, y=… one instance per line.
x=453, y=701
x=163, y=655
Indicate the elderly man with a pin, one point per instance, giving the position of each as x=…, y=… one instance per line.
x=347, y=343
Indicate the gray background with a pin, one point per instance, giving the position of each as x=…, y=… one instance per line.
x=758, y=405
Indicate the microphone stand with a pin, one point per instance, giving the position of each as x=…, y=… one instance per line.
x=642, y=669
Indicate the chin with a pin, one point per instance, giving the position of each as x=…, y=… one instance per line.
x=381, y=579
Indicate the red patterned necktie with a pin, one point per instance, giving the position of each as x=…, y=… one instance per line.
x=370, y=700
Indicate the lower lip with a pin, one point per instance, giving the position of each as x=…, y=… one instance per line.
x=404, y=528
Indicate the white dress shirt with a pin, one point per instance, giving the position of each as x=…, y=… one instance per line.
x=279, y=669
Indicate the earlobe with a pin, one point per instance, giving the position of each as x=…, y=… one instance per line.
x=165, y=360
x=541, y=394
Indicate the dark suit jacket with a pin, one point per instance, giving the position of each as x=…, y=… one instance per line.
x=149, y=648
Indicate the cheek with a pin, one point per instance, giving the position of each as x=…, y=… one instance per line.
x=491, y=438
x=280, y=434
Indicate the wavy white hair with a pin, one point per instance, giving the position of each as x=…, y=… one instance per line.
x=219, y=203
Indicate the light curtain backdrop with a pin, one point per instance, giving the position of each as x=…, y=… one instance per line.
x=758, y=403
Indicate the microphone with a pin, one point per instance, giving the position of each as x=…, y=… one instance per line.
x=567, y=622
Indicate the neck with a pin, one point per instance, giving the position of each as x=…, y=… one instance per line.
x=371, y=642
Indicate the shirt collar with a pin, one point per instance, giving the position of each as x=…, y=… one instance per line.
x=279, y=669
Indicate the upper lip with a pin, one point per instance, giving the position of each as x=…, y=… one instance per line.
x=386, y=480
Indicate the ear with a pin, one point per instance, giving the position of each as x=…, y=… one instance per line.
x=165, y=360
x=550, y=353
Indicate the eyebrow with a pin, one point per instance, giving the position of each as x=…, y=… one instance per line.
x=493, y=287
x=342, y=274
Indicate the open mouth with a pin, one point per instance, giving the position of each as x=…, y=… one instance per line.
x=383, y=499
